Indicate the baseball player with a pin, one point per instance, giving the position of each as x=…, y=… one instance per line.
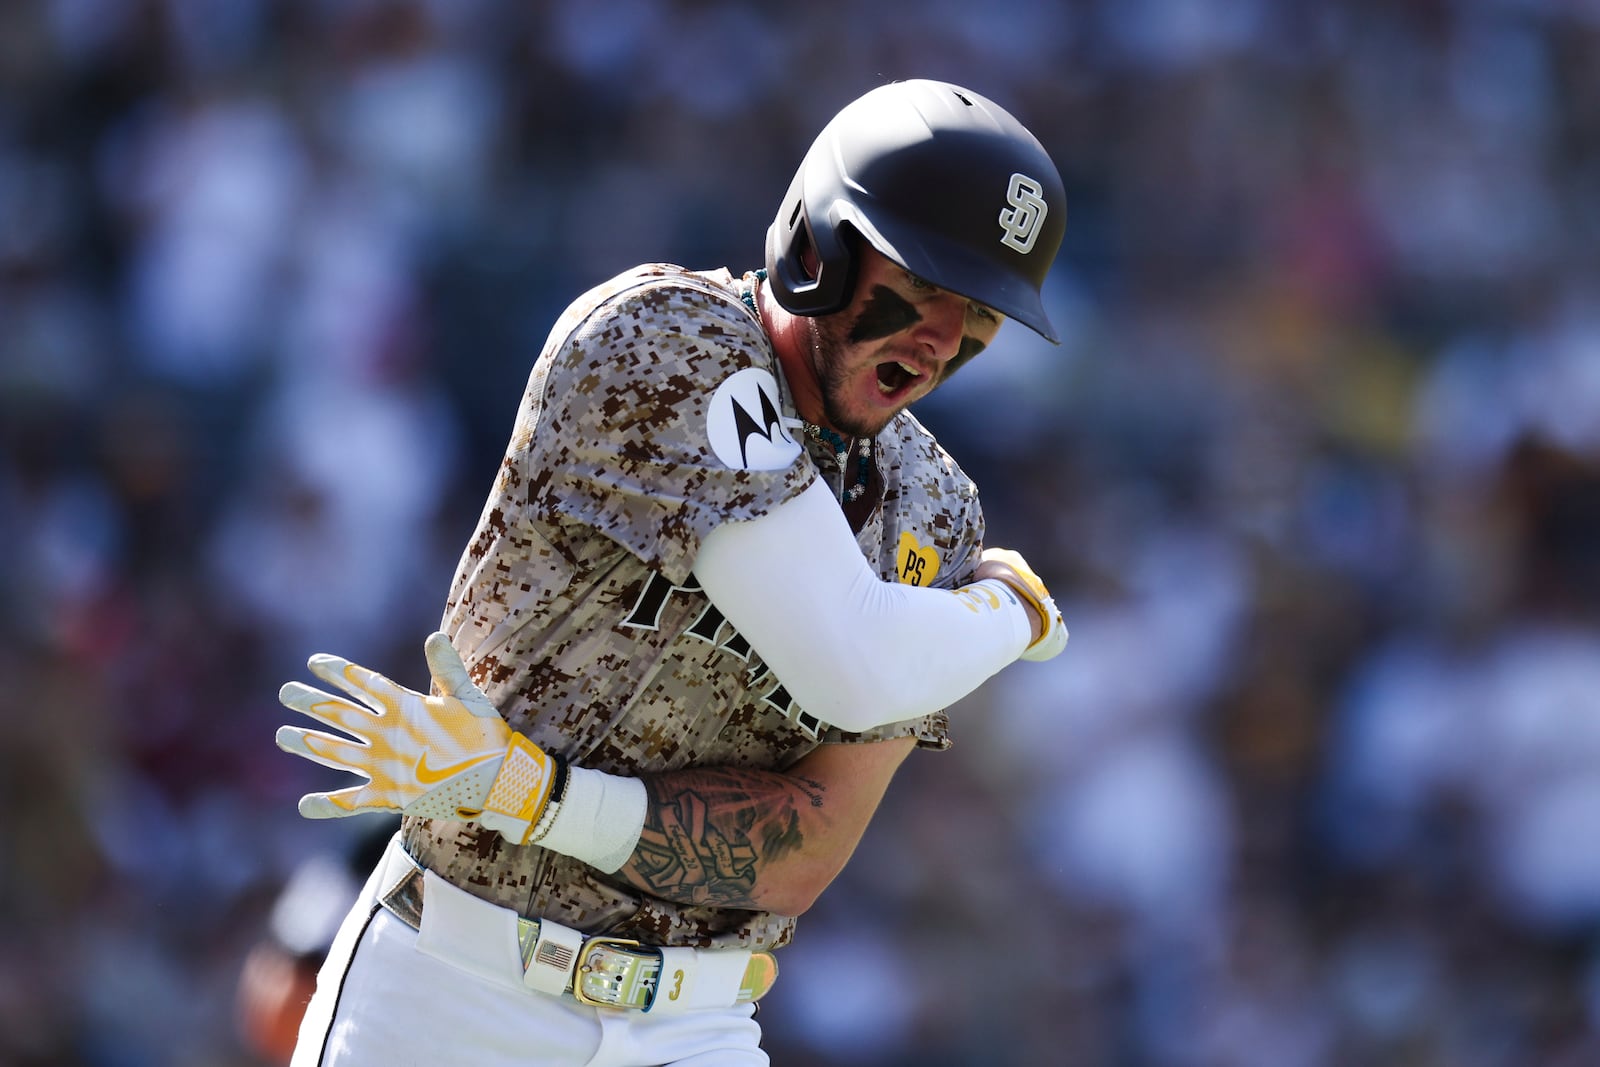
x=724, y=583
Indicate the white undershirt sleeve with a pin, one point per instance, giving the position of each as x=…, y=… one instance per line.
x=853, y=650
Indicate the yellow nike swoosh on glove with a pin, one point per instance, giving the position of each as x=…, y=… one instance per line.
x=428, y=776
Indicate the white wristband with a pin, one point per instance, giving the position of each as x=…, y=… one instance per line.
x=600, y=819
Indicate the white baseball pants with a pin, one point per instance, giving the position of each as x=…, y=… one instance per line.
x=380, y=1002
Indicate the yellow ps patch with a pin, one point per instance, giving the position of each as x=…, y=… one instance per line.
x=914, y=564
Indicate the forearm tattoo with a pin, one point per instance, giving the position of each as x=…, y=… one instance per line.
x=708, y=833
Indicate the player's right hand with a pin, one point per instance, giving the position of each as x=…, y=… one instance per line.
x=1009, y=567
x=444, y=756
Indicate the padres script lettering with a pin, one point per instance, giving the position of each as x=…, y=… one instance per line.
x=712, y=627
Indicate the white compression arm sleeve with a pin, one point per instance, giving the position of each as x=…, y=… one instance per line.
x=852, y=649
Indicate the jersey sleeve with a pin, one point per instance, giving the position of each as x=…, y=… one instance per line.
x=661, y=418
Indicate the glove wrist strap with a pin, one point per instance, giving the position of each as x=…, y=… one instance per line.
x=528, y=775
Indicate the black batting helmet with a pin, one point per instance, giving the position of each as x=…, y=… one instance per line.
x=937, y=178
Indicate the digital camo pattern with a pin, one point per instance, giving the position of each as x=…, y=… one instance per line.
x=575, y=608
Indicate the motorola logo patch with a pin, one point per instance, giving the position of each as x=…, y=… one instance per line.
x=744, y=426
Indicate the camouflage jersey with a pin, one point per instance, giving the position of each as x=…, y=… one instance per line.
x=655, y=412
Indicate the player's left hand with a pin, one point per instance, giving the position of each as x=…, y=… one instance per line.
x=439, y=756
x=1016, y=573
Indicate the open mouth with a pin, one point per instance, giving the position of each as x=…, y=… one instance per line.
x=896, y=378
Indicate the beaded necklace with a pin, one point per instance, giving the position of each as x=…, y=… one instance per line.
x=841, y=452
x=841, y=447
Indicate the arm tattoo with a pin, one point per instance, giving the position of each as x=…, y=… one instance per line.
x=707, y=833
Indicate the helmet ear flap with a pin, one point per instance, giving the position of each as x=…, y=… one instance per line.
x=811, y=269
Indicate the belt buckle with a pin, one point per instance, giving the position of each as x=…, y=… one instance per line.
x=608, y=978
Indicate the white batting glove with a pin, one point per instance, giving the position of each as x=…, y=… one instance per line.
x=449, y=756
x=1027, y=585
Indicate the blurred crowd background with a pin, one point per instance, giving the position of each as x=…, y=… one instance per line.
x=1315, y=477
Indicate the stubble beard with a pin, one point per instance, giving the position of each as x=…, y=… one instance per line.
x=827, y=358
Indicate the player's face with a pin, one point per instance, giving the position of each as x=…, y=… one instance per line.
x=896, y=341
